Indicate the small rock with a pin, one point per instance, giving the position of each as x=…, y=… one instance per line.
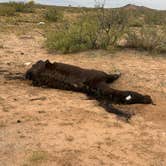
x=9, y=63
x=41, y=23
x=41, y=112
x=18, y=121
x=27, y=63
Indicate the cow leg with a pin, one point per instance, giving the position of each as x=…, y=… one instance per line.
x=111, y=109
x=106, y=104
x=112, y=77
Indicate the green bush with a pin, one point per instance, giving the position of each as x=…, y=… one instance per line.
x=77, y=37
x=67, y=40
x=23, y=7
x=147, y=38
x=7, y=11
x=136, y=23
x=53, y=14
x=155, y=18
x=142, y=16
x=90, y=32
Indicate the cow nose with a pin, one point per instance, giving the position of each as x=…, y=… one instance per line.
x=148, y=100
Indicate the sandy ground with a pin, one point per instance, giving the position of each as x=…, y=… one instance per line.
x=50, y=127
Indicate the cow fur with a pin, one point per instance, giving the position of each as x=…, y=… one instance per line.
x=94, y=83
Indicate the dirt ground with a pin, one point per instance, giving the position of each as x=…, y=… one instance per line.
x=50, y=127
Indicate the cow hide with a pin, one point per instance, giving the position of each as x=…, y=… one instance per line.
x=94, y=83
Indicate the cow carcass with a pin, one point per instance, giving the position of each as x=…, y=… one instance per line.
x=94, y=83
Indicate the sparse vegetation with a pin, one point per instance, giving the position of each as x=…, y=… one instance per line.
x=38, y=156
x=92, y=31
x=53, y=14
x=11, y=8
x=70, y=29
x=147, y=38
x=155, y=18
x=22, y=6
x=7, y=11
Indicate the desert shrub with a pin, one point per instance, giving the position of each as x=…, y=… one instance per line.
x=23, y=7
x=112, y=25
x=142, y=16
x=96, y=31
x=53, y=14
x=69, y=40
x=7, y=11
x=147, y=38
x=136, y=22
x=155, y=18
x=134, y=18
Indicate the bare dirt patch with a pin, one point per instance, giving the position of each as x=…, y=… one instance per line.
x=53, y=127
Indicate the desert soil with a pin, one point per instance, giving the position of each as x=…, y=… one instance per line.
x=50, y=127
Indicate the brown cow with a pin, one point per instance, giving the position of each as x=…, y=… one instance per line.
x=92, y=82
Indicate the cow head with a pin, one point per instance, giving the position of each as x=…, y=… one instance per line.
x=36, y=69
x=129, y=97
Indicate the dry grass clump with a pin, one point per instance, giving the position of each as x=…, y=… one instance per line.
x=92, y=31
x=147, y=38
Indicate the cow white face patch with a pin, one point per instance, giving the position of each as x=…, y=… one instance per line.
x=128, y=97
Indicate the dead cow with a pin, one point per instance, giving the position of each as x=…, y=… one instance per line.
x=92, y=82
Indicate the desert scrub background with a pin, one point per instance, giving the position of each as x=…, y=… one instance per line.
x=95, y=30
x=71, y=29
x=25, y=7
x=151, y=39
x=7, y=11
x=11, y=8
x=104, y=28
x=72, y=38
x=53, y=14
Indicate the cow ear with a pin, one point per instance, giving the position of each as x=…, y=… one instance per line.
x=48, y=64
x=47, y=61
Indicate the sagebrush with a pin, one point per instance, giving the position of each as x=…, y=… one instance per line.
x=53, y=14
x=150, y=39
x=92, y=31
